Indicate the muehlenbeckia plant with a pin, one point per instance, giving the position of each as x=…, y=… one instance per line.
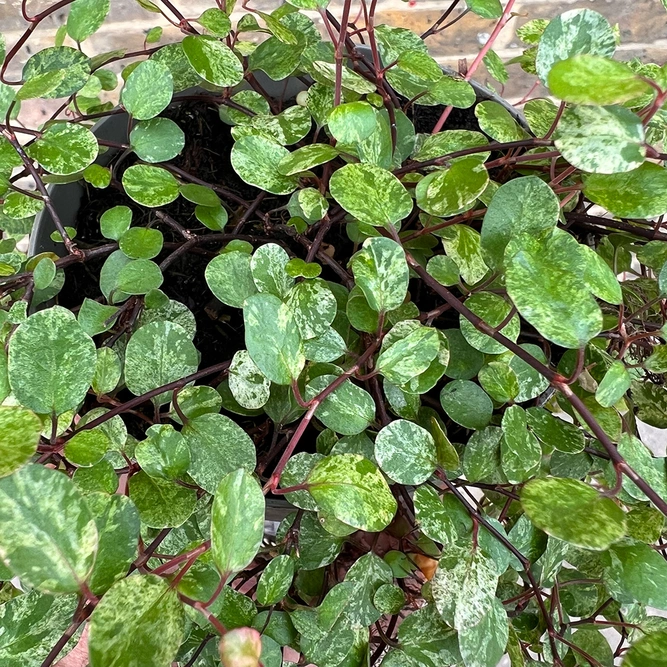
x=294, y=284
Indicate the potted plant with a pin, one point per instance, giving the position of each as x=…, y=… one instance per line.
x=322, y=355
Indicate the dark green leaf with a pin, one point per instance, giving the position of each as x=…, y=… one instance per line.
x=467, y=404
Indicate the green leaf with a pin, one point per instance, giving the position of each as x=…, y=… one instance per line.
x=520, y=450
x=272, y=338
x=216, y=22
x=483, y=644
x=348, y=409
x=329, y=346
x=237, y=522
x=65, y=148
x=19, y=437
x=161, y=503
x=440, y=144
x=602, y=140
x=256, y=159
x=649, y=651
x=614, y=385
x=409, y=356
x=100, y=477
x=164, y=453
x=158, y=353
x=499, y=381
x=381, y=271
x=493, y=310
x=200, y=194
x=150, y=186
x=545, y=283
x=443, y=269
x=406, y=452
x=148, y=90
x=87, y=447
x=268, y=264
x=555, y=432
x=47, y=535
x=462, y=244
x=139, y=276
x=213, y=61
x=306, y=158
x=640, y=193
x=371, y=194
x=230, y=278
x=496, y=121
x=576, y=80
x=72, y=65
x=115, y=222
x=247, y=383
x=139, y=622
x=466, y=404
x=453, y=190
x=18, y=206
x=276, y=580
x=637, y=573
x=30, y=626
x=574, y=512
x=325, y=72
x=40, y=85
x=213, y=217
x=522, y=205
x=86, y=17
x=154, y=35
x=572, y=33
x=98, y=176
x=217, y=447
x=141, y=242
x=353, y=122
x=44, y=273
x=427, y=640
x=487, y=9
x=157, y=140
x=51, y=362
x=117, y=522
x=496, y=67
x=353, y=490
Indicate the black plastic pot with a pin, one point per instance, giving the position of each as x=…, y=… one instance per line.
x=67, y=198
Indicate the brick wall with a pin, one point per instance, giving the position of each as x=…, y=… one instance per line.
x=643, y=26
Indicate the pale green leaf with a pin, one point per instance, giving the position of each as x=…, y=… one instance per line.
x=150, y=186
x=65, y=148
x=157, y=140
x=406, y=452
x=148, y=90
x=214, y=61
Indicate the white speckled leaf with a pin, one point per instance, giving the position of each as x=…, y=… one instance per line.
x=148, y=90
x=158, y=353
x=86, y=17
x=268, y=270
x=381, y=271
x=255, y=159
x=452, y=190
x=573, y=32
x=639, y=458
x=157, y=140
x=494, y=310
x=150, y=186
x=117, y=521
x=496, y=121
x=161, y=503
x=30, y=625
x=483, y=645
x=214, y=61
x=353, y=489
x=555, y=432
x=19, y=436
x=72, y=63
x=410, y=356
x=217, y=446
x=65, y=148
x=545, y=282
x=371, y=194
x=602, y=140
x=573, y=512
x=463, y=245
x=164, y=453
x=230, y=278
x=48, y=536
x=276, y=580
x=406, y=452
x=314, y=307
x=51, y=362
x=520, y=450
x=524, y=204
x=139, y=623
x=237, y=522
x=614, y=385
x=247, y=383
x=348, y=409
x=272, y=338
